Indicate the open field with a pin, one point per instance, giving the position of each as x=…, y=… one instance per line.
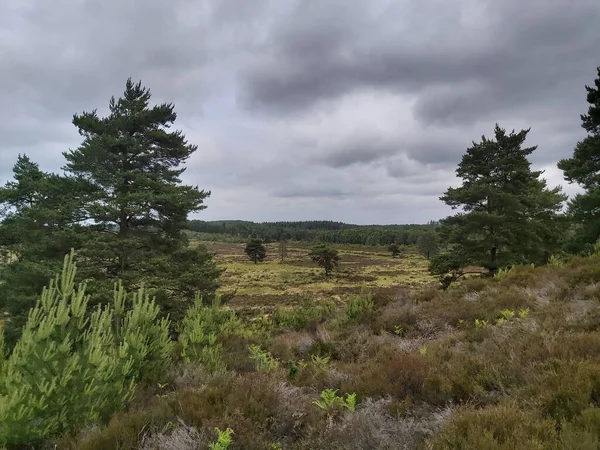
x=273, y=283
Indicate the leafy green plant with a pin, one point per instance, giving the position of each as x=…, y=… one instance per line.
x=502, y=273
x=554, y=261
x=263, y=361
x=359, y=305
x=480, y=323
x=198, y=333
x=596, y=248
x=523, y=313
x=224, y=439
x=70, y=368
x=320, y=361
x=330, y=399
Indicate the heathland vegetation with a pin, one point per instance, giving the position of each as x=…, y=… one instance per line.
x=127, y=325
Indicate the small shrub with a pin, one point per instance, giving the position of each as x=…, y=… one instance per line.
x=70, y=369
x=499, y=427
x=330, y=400
x=224, y=440
x=198, y=333
x=389, y=373
x=263, y=360
x=124, y=429
x=359, y=305
x=299, y=317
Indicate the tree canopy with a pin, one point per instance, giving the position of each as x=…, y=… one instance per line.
x=507, y=214
x=325, y=257
x=255, y=250
x=583, y=168
x=120, y=204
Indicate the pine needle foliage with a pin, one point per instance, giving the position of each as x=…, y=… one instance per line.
x=71, y=369
x=199, y=330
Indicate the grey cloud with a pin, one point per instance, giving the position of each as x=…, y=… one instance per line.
x=511, y=55
x=305, y=109
x=361, y=150
x=311, y=192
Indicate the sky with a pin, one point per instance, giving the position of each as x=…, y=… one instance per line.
x=346, y=110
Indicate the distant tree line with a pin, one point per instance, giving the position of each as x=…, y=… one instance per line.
x=316, y=231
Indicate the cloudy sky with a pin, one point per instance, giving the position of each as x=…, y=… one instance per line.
x=347, y=110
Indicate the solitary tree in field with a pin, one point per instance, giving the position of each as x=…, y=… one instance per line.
x=428, y=244
x=255, y=250
x=283, y=250
x=584, y=168
x=507, y=214
x=394, y=249
x=325, y=257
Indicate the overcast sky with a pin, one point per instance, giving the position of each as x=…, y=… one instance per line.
x=347, y=110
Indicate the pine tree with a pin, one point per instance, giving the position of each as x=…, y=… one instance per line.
x=508, y=215
x=325, y=257
x=73, y=367
x=583, y=168
x=39, y=224
x=428, y=244
x=394, y=249
x=255, y=250
x=132, y=164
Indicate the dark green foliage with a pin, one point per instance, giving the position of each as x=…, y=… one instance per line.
x=39, y=224
x=583, y=168
x=121, y=206
x=316, y=231
x=394, y=249
x=325, y=257
x=256, y=251
x=138, y=205
x=508, y=215
x=428, y=244
x=181, y=275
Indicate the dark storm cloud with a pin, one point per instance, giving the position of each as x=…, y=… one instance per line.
x=462, y=59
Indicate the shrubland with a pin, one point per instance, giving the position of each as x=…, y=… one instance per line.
x=509, y=362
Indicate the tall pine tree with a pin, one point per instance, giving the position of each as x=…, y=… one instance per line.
x=507, y=214
x=139, y=207
x=583, y=168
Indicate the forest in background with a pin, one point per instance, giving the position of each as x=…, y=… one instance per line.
x=314, y=231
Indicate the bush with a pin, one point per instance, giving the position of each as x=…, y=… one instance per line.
x=389, y=373
x=199, y=330
x=126, y=430
x=301, y=316
x=69, y=370
x=359, y=305
x=499, y=427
